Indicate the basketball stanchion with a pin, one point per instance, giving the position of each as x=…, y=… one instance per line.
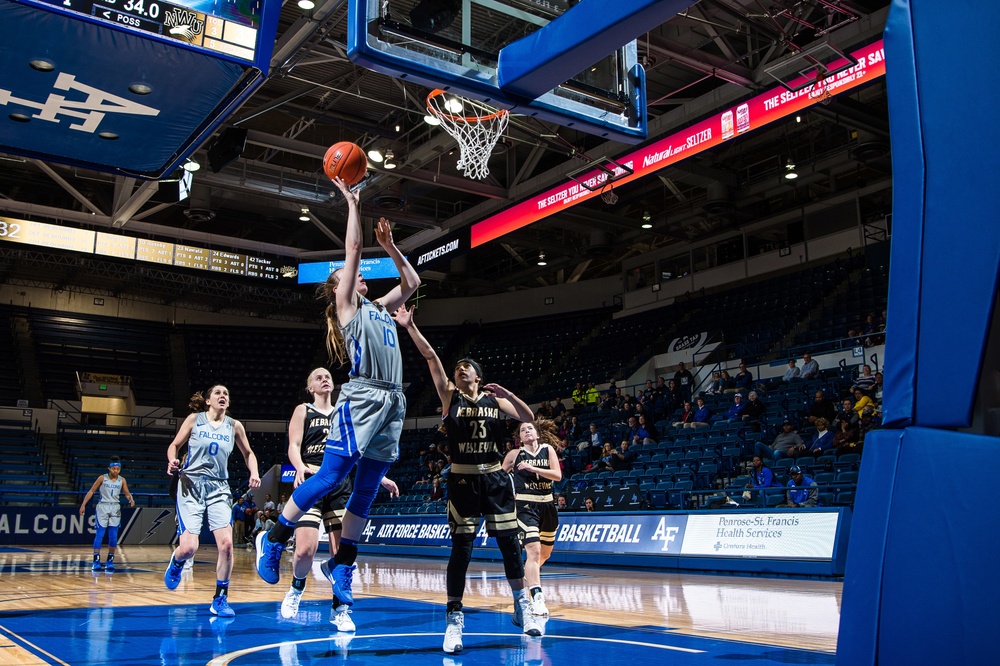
x=474, y=125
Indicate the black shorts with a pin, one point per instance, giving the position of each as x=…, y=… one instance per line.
x=475, y=496
x=330, y=509
x=538, y=522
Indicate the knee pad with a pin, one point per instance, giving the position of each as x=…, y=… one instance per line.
x=98, y=535
x=366, y=484
x=513, y=562
x=113, y=537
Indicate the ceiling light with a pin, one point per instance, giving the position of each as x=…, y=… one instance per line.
x=454, y=105
x=390, y=160
x=646, y=217
x=798, y=119
x=375, y=155
x=306, y=5
x=304, y=215
x=41, y=65
x=432, y=120
x=541, y=259
x=191, y=165
x=647, y=225
x=790, y=173
x=397, y=127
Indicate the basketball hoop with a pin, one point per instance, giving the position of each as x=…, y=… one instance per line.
x=608, y=195
x=476, y=132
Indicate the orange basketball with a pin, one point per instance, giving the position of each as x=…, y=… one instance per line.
x=346, y=160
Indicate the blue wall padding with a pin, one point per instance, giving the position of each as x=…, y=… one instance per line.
x=590, y=31
x=940, y=584
x=944, y=134
x=859, y=616
x=908, y=221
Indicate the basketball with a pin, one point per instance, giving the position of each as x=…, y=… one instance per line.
x=345, y=160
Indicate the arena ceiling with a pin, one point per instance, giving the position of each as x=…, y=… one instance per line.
x=702, y=60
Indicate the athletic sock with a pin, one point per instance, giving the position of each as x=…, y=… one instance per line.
x=221, y=588
x=298, y=583
x=347, y=553
x=534, y=591
x=454, y=606
x=282, y=531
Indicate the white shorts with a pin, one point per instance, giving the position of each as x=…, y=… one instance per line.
x=198, y=496
x=109, y=514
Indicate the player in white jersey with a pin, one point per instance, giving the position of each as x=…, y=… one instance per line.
x=109, y=511
x=204, y=487
x=368, y=418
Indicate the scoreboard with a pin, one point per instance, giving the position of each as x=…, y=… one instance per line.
x=151, y=251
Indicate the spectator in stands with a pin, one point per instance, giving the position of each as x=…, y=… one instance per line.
x=589, y=504
x=437, y=492
x=593, y=395
x=561, y=504
x=609, y=403
x=865, y=381
x=544, y=411
x=684, y=380
x=869, y=330
x=846, y=413
x=821, y=408
x=717, y=385
x=728, y=383
x=574, y=431
x=649, y=390
x=308, y=429
x=876, y=392
x=593, y=441
x=735, y=411
x=861, y=400
x=823, y=441
x=792, y=372
x=810, y=368
x=579, y=397
x=760, y=475
x=784, y=443
x=674, y=397
x=109, y=510
x=702, y=414
x=281, y=504
x=638, y=433
x=239, y=522
x=845, y=440
x=558, y=408
x=743, y=381
x=686, y=416
x=268, y=502
x=754, y=410
x=869, y=422
x=802, y=490
x=211, y=437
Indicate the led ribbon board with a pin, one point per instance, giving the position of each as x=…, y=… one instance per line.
x=753, y=114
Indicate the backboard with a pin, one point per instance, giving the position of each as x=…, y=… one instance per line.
x=456, y=45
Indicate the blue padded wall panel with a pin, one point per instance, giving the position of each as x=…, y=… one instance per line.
x=908, y=219
x=940, y=585
x=590, y=31
x=866, y=552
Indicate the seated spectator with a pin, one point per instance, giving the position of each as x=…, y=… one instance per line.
x=686, y=417
x=673, y=396
x=754, y=410
x=877, y=390
x=870, y=330
x=622, y=457
x=648, y=425
x=592, y=441
x=743, y=381
x=823, y=441
x=607, y=453
x=865, y=381
x=609, y=403
x=869, y=421
x=728, y=383
x=846, y=413
x=784, y=443
x=761, y=476
x=792, y=372
x=810, y=368
x=579, y=397
x=638, y=433
x=702, y=414
x=684, y=381
x=845, y=440
x=437, y=492
x=735, y=411
x=544, y=411
x=822, y=408
x=802, y=490
x=861, y=400
x=589, y=504
x=561, y=504
x=558, y=408
x=717, y=385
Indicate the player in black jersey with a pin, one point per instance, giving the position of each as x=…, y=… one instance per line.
x=477, y=485
x=307, y=434
x=534, y=466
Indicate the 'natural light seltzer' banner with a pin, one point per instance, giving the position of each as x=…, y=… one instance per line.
x=748, y=116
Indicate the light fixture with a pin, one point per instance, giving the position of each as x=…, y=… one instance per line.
x=397, y=127
x=790, y=173
x=307, y=5
x=647, y=220
x=454, y=105
x=191, y=165
x=376, y=156
x=541, y=259
x=798, y=119
x=390, y=160
x=432, y=120
x=304, y=215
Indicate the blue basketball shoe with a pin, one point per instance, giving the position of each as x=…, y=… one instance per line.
x=172, y=576
x=97, y=565
x=341, y=577
x=221, y=607
x=268, y=558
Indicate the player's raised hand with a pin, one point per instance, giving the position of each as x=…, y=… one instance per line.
x=403, y=316
x=349, y=196
x=383, y=233
x=497, y=390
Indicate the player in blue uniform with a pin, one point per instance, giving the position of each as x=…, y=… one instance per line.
x=203, y=487
x=368, y=417
x=109, y=511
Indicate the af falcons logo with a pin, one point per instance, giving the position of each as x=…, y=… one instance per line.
x=156, y=523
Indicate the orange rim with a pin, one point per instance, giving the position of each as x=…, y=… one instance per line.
x=460, y=119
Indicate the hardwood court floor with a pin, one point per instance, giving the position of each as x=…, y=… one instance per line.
x=55, y=610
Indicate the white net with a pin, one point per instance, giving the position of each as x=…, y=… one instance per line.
x=608, y=195
x=475, y=126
